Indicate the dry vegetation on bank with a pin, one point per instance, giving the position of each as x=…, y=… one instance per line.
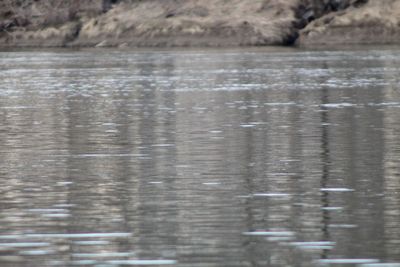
x=367, y=22
x=131, y=23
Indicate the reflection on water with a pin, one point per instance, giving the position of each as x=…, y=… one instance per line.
x=199, y=158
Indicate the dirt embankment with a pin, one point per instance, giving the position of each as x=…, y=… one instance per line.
x=193, y=23
x=163, y=23
x=363, y=22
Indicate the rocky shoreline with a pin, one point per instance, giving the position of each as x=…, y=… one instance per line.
x=187, y=23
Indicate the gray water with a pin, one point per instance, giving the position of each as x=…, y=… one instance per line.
x=200, y=158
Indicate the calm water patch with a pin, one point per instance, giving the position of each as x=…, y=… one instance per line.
x=206, y=158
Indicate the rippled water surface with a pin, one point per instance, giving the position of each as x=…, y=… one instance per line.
x=200, y=158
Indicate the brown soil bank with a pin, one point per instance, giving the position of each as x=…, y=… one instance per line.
x=133, y=23
x=149, y=22
x=364, y=22
x=193, y=23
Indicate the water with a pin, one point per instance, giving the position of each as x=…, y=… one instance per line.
x=200, y=158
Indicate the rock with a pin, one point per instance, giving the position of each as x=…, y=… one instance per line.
x=309, y=15
x=102, y=44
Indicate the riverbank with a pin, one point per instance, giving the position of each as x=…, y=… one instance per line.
x=189, y=23
x=364, y=22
